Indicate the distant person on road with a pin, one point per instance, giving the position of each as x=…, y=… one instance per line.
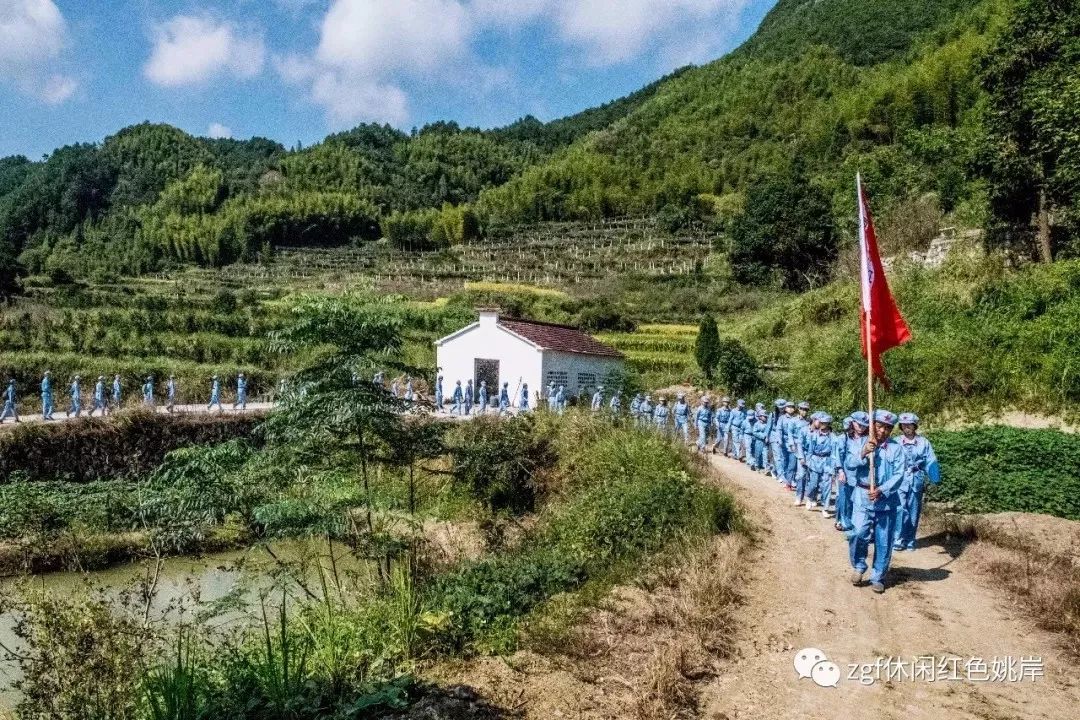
x=116, y=392
x=9, y=402
x=776, y=441
x=551, y=405
x=148, y=391
x=645, y=412
x=170, y=393
x=921, y=465
x=635, y=409
x=735, y=430
x=99, y=397
x=76, y=398
x=438, y=394
x=759, y=436
x=470, y=396
x=721, y=419
x=615, y=405
x=46, y=396
x=504, y=399
x=482, y=398
x=523, y=401
x=215, y=394
x=241, y=392
x=874, y=511
x=560, y=400
x=598, y=398
x=457, y=398
x=702, y=421
x=681, y=411
x=660, y=416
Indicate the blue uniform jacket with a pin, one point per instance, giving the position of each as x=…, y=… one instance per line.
x=921, y=463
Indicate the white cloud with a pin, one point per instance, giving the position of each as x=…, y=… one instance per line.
x=376, y=36
x=217, y=130
x=192, y=50
x=33, y=37
x=615, y=32
x=347, y=97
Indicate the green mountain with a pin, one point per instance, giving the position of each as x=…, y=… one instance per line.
x=942, y=106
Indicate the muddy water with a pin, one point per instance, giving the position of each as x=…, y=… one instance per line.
x=231, y=586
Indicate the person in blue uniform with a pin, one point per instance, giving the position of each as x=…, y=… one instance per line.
x=874, y=510
x=777, y=460
x=482, y=398
x=635, y=409
x=99, y=398
x=794, y=428
x=438, y=394
x=921, y=465
x=116, y=392
x=458, y=399
x=170, y=393
x=681, y=413
x=552, y=405
x=735, y=430
x=215, y=394
x=46, y=396
x=702, y=421
x=721, y=422
x=748, y=424
x=759, y=440
x=241, y=392
x=10, y=402
x=504, y=398
x=821, y=462
x=660, y=416
x=470, y=396
x=598, y=398
x=615, y=404
x=804, y=490
x=148, y=391
x=848, y=456
x=560, y=400
x=646, y=412
x=75, y=391
x=410, y=393
x=523, y=401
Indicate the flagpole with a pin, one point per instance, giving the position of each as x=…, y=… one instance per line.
x=864, y=261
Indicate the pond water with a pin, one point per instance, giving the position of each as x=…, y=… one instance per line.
x=232, y=587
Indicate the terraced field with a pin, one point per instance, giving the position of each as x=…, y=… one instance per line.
x=661, y=354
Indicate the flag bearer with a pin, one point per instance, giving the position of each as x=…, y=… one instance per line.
x=874, y=511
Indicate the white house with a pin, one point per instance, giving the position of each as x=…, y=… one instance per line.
x=514, y=351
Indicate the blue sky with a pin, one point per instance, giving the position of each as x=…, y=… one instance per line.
x=295, y=70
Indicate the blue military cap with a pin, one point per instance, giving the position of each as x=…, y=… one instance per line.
x=740, y=403
x=884, y=417
x=789, y=403
x=825, y=418
x=804, y=405
x=725, y=399
x=762, y=412
x=780, y=403
x=847, y=422
x=816, y=415
x=909, y=419
x=860, y=417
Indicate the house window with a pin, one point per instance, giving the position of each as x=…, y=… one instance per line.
x=585, y=380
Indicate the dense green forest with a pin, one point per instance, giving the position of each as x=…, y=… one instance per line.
x=959, y=111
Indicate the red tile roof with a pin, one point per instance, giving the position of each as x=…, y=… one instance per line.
x=559, y=337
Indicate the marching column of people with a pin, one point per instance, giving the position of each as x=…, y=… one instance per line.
x=826, y=469
x=105, y=402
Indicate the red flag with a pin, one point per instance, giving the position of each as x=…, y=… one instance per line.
x=882, y=326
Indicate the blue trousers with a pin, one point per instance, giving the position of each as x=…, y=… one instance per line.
x=438, y=401
x=702, y=435
x=791, y=468
x=843, y=505
x=46, y=406
x=9, y=409
x=907, y=518
x=823, y=482
x=682, y=427
x=76, y=407
x=804, y=488
x=748, y=449
x=777, y=462
x=736, y=443
x=757, y=454
x=722, y=436
x=871, y=521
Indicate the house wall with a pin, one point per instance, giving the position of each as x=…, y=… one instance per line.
x=518, y=360
x=577, y=372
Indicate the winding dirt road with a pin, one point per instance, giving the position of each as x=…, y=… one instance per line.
x=798, y=594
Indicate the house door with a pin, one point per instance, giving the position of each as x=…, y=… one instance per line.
x=487, y=371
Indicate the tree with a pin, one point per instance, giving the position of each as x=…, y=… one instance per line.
x=707, y=346
x=737, y=369
x=786, y=233
x=1031, y=156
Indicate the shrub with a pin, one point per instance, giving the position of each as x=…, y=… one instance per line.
x=499, y=461
x=998, y=469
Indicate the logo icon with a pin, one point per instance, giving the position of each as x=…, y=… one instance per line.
x=812, y=663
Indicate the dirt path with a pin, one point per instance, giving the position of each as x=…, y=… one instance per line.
x=59, y=417
x=798, y=594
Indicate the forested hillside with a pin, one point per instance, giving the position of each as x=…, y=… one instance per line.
x=959, y=111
